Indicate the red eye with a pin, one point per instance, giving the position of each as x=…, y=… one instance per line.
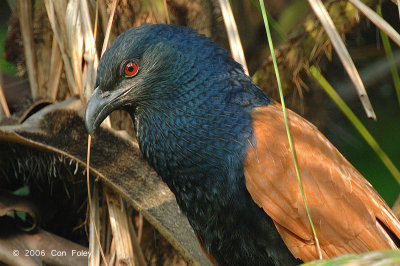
x=130, y=69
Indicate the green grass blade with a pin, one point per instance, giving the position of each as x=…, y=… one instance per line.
x=274, y=24
x=356, y=122
x=278, y=79
x=389, y=55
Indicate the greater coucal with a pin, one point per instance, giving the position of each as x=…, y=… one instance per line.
x=220, y=144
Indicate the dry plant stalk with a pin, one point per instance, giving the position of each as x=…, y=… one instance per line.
x=135, y=240
x=94, y=214
x=109, y=25
x=166, y=12
x=396, y=207
x=3, y=100
x=59, y=36
x=330, y=29
x=233, y=34
x=120, y=228
x=140, y=228
x=56, y=67
x=377, y=20
x=107, y=121
x=72, y=21
x=103, y=14
x=90, y=52
x=25, y=19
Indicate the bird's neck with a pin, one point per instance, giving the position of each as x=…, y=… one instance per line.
x=199, y=153
x=197, y=144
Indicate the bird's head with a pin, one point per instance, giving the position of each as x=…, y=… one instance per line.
x=150, y=64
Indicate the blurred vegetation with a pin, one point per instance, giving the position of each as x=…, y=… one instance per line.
x=5, y=66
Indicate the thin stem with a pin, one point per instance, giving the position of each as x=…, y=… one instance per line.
x=278, y=79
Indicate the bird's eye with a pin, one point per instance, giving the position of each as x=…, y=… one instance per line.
x=130, y=69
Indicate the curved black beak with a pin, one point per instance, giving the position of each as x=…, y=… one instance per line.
x=98, y=108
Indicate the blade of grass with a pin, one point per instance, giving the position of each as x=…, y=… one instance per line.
x=356, y=122
x=272, y=22
x=233, y=34
x=389, y=55
x=341, y=50
x=278, y=79
x=277, y=28
x=293, y=15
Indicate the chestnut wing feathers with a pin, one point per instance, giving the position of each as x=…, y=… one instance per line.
x=347, y=212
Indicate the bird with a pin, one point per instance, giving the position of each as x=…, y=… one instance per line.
x=220, y=144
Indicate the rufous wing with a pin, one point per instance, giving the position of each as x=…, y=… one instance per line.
x=349, y=215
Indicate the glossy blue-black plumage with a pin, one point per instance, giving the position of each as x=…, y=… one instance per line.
x=191, y=105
